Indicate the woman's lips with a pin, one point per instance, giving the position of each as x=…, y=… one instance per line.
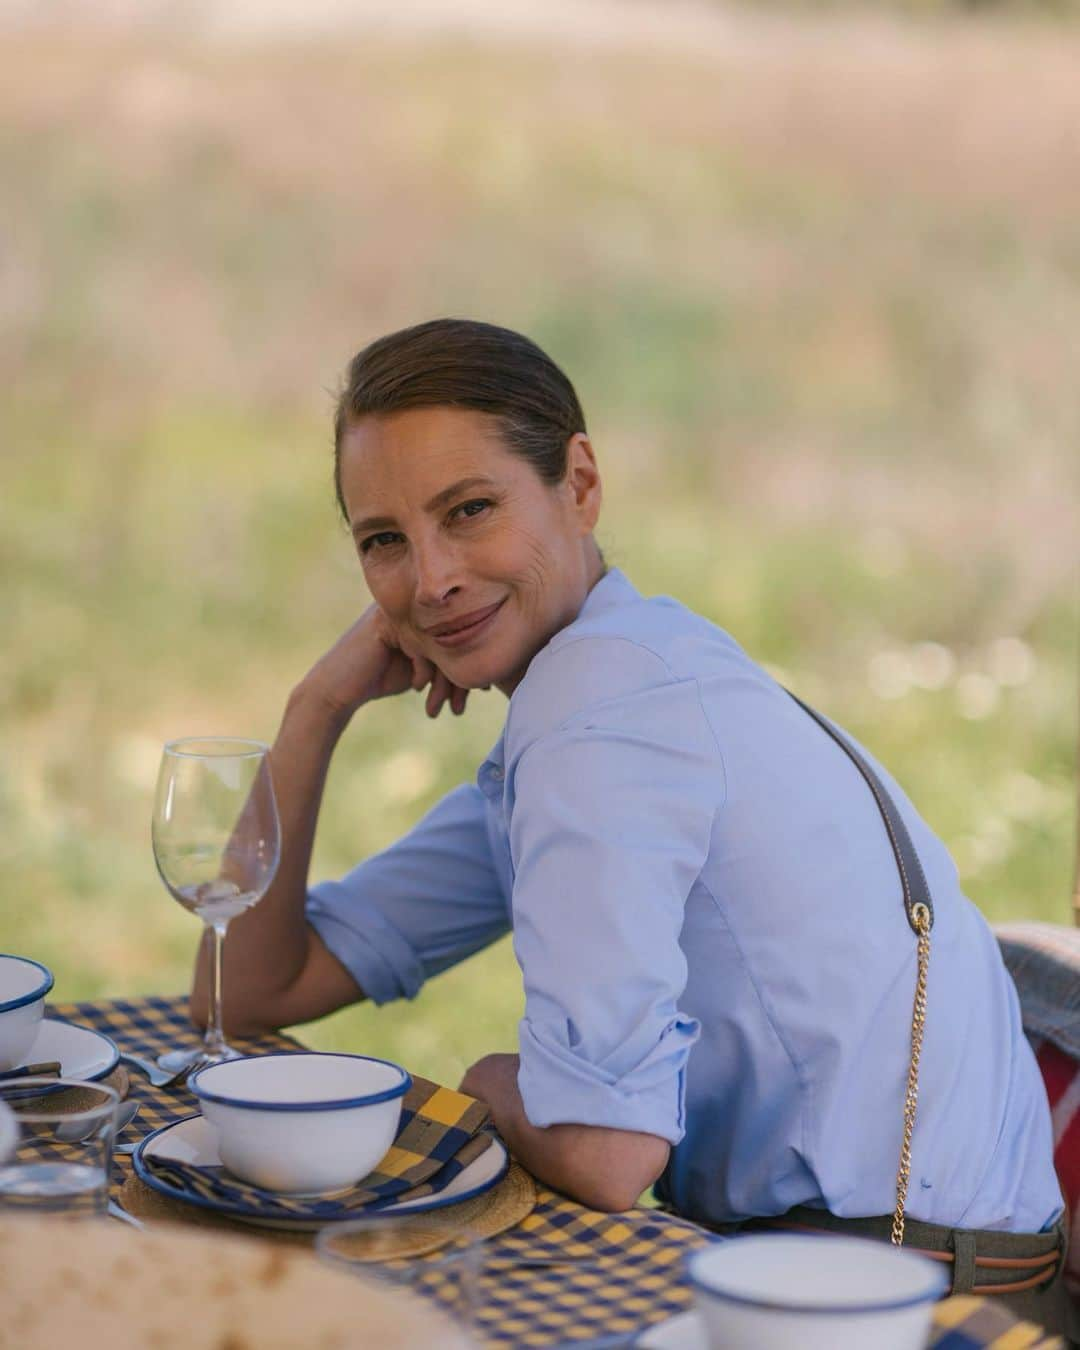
x=459, y=637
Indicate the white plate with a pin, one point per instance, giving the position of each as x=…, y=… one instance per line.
x=192, y=1140
x=82, y=1053
x=684, y=1332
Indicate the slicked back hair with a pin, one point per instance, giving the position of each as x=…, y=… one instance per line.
x=462, y=363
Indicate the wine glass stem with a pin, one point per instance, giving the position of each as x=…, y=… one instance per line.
x=214, y=1041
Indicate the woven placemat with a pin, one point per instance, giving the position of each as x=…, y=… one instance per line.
x=506, y=1204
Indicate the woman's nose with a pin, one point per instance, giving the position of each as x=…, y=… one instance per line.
x=436, y=574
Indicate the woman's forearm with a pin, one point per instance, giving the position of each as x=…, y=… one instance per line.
x=277, y=971
x=267, y=947
x=606, y=1169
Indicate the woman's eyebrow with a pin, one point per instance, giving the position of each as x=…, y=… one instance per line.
x=440, y=499
x=462, y=485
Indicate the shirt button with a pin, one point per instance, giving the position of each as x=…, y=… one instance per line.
x=497, y=774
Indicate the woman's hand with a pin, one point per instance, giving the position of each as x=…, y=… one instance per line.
x=370, y=661
x=493, y=1079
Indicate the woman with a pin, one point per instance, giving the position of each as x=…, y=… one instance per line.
x=705, y=902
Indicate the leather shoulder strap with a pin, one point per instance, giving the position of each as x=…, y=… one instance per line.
x=912, y=878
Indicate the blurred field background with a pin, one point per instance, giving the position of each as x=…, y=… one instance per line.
x=817, y=279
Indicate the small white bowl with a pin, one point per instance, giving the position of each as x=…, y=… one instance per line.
x=302, y=1124
x=769, y=1291
x=23, y=986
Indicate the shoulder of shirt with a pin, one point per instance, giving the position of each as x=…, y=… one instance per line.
x=603, y=661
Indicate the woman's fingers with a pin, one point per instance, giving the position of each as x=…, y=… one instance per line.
x=437, y=694
x=443, y=691
x=424, y=671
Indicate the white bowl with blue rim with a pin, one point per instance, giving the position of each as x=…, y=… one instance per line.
x=302, y=1124
x=23, y=986
x=819, y=1291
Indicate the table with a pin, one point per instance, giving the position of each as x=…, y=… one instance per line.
x=623, y=1272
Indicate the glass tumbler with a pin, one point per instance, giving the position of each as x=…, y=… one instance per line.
x=424, y=1254
x=63, y=1149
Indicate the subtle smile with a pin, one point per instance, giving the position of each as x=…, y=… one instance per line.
x=457, y=632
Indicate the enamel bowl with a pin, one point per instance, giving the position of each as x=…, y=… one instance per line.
x=23, y=986
x=770, y=1291
x=302, y=1124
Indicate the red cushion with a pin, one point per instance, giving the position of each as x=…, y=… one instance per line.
x=1061, y=1074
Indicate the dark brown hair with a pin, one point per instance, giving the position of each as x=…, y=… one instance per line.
x=465, y=364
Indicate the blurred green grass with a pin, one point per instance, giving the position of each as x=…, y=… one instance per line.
x=831, y=383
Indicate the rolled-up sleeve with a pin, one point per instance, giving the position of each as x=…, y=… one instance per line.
x=611, y=826
x=420, y=906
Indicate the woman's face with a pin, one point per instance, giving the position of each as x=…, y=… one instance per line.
x=473, y=558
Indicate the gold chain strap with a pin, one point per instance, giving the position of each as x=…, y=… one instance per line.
x=921, y=916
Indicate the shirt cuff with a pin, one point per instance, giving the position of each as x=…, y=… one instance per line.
x=559, y=1088
x=380, y=960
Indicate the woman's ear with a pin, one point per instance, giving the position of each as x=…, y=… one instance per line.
x=583, y=481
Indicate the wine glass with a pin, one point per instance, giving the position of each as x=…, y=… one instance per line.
x=217, y=842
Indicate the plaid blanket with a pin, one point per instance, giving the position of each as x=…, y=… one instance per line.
x=1044, y=961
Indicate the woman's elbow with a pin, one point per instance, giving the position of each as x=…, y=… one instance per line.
x=611, y=1197
x=629, y=1164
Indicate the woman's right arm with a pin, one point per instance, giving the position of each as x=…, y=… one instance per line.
x=277, y=971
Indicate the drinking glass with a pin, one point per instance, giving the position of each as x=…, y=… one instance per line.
x=427, y=1254
x=217, y=842
x=63, y=1147
x=9, y=1132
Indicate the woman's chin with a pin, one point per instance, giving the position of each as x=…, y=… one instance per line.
x=482, y=670
x=468, y=670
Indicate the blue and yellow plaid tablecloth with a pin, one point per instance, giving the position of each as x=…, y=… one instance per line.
x=565, y=1276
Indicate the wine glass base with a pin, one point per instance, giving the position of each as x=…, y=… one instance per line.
x=222, y=1056
x=175, y=1060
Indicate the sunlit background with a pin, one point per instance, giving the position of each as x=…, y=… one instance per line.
x=816, y=276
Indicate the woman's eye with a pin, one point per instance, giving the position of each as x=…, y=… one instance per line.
x=381, y=540
x=473, y=508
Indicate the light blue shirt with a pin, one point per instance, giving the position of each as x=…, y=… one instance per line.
x=708, y=918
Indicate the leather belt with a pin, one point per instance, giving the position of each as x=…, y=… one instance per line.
x=1030, y=1271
